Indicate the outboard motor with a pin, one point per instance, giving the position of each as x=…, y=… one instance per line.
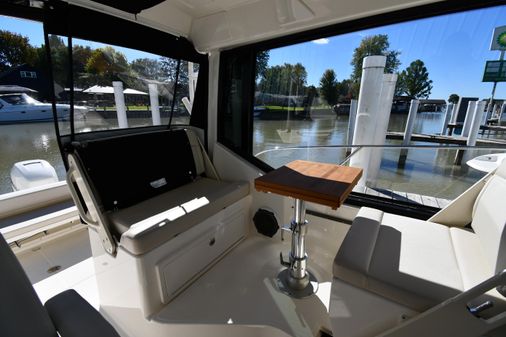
x=32, y=173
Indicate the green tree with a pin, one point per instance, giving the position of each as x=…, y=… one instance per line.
x=369, y=46
x=262, y=59
x=328, y=87
x=15, y=50
x=80, y=57
x=286, y=79
x=59, y=60
x=344, y=91
x=169, y=70
x=107, y=65
x=147, y=68
x=454, y=98
x=414, y=81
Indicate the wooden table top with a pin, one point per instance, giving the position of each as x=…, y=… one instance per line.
x=321, y=183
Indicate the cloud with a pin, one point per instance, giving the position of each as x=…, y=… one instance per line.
x=321, y=41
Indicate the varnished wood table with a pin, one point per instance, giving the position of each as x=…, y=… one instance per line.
x=321, y=183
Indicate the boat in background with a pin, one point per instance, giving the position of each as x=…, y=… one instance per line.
x=21, y=108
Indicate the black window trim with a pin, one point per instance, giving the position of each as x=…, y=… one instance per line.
x=398, y=16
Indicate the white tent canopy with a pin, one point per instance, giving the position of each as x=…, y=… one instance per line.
x=97, y=89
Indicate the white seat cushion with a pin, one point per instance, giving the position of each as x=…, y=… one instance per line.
x=137, y=240
x=413, y=261
x=489, y=220
x=474, y=267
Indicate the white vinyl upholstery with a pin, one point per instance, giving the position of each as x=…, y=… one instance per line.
x=489, y=218
x=421, y=263
x=140, y=227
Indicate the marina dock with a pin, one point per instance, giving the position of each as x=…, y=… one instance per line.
x=442, y=139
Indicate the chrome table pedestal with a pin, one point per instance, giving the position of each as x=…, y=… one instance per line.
x=296, y=280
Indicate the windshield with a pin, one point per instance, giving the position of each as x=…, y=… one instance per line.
x=19, y=99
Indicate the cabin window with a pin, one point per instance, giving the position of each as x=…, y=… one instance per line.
x=28, y=74
x=117, y=87
x=300, y=95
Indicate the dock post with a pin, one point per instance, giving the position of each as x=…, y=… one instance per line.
x=119, y=99
x=410, y=123
x=469, y=116
x=373, y=68
x=351, y=124
x=453, y=118
x=383, y=117
x=485, y=115
x=479, y=111
x=446, y=120
x=503, y=111
x=153, y=101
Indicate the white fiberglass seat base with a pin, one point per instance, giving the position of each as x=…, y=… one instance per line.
x=237, y=296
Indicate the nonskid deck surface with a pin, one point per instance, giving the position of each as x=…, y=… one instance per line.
x=240, y=289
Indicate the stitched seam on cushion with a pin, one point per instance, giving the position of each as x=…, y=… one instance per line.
x=374, y=246
x=456, y=259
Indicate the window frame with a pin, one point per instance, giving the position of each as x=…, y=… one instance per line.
x=249, y=52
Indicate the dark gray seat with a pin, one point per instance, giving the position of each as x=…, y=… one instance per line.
x=22, y=314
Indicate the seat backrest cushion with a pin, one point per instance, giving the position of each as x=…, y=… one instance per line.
x=21, y=312
x=126, y=170
x=489, y=218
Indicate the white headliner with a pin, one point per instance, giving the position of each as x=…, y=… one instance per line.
x=221, y=24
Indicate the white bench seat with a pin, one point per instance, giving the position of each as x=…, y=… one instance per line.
x=420, y=264
x=148, y=224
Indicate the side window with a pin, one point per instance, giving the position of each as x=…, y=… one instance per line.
x=117, y=87
x=28, y=146
x=402, y=96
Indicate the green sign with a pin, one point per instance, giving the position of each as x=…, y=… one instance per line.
x=501, y=40
x=495, y=71
x=498, y=39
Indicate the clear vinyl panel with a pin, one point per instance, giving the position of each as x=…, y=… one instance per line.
x=29, y=154
x=117, y=87
x=417, y=83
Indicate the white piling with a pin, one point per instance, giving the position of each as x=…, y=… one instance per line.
x=365, y=125
x=351, y=120
x=153, y=101
x=486, y=115
x=382, y=119
x=502, y=113
x=455, y=112
x=119, y=99
x=410, y=123
x=479, y=111
x=408, y=131
x=469, y=116
x=446, y=119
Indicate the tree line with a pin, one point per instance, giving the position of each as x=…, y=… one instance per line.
x=100, y=66
x=291, y=79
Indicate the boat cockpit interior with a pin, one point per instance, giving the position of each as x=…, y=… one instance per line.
x=209, y=196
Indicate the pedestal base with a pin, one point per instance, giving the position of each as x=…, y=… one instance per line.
x=284, y=281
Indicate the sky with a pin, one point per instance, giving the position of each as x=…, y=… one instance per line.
x=453, y=47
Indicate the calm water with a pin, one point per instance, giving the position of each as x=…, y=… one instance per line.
x=20, y=142
x=426, y=171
